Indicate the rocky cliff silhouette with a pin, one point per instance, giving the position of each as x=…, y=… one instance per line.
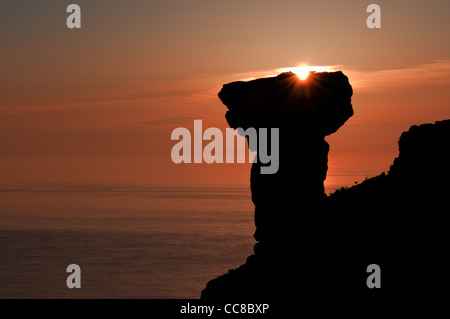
x=315, y=248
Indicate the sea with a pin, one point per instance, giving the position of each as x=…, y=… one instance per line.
x=130, y=241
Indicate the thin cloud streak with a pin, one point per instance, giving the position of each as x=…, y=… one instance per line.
x=436, y=73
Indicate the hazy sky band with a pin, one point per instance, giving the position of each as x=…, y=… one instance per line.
x=99, y=103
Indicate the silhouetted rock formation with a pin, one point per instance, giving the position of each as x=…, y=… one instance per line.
x=314, y=251
x=424, y=157
x=305, y=112
x=319, y=105
x=286, y=202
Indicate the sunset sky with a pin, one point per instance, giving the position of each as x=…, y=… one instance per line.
x=98, y=104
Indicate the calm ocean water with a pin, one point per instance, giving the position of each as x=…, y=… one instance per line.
x=130, y=241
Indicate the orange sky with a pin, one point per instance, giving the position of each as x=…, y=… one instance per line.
x=98, y=105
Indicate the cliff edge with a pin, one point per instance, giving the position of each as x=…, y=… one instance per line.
x=311, y=247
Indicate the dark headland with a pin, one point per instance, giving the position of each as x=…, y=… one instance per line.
x=315, y=249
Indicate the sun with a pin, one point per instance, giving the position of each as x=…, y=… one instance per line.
x=303, y=71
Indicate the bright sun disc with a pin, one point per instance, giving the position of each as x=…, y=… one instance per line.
x=303, y=71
